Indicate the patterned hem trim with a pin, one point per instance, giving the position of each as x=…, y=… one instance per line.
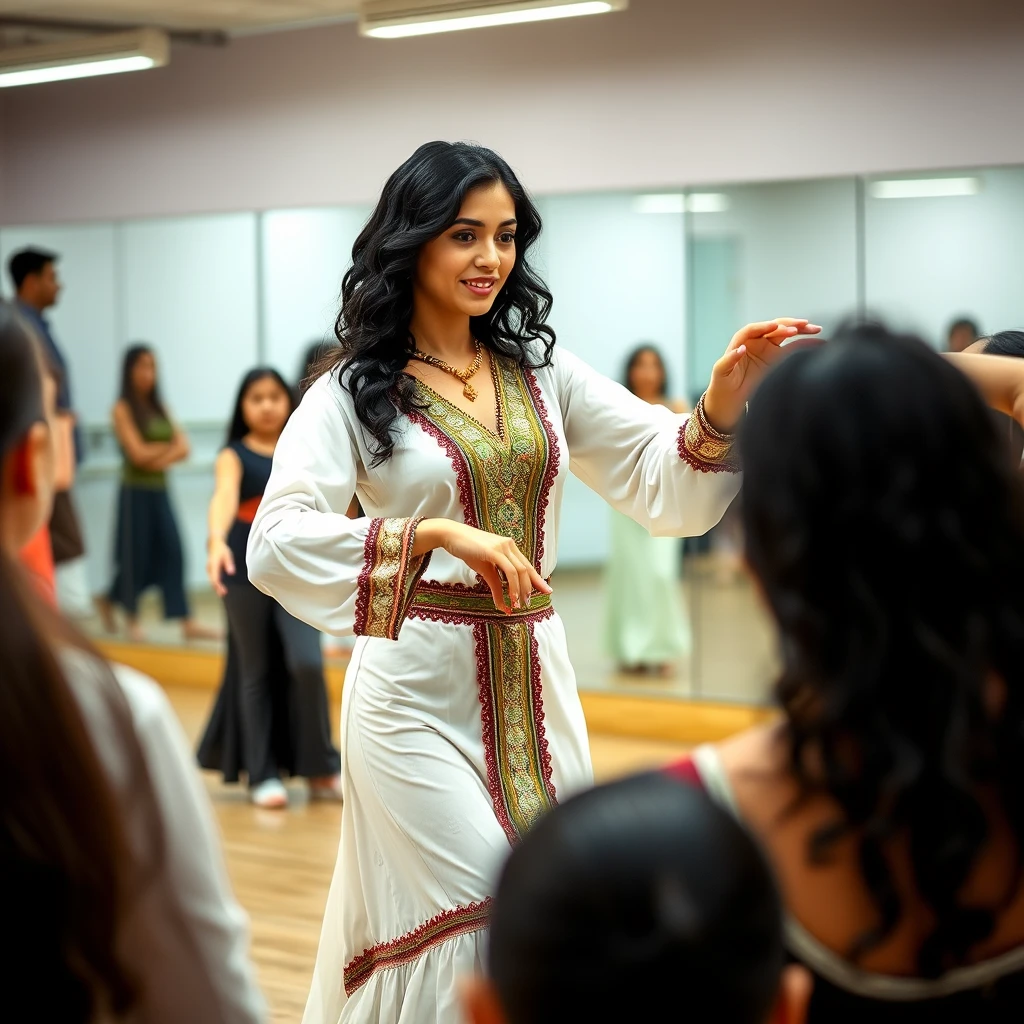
x=538, y=711
x=412, y=945
x=553, y=461
x=458, y=460
x=703, y=448
x=482, y=649
x=500, y=783
x=387, y=583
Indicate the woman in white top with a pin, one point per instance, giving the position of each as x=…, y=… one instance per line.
x=453, y=419
x=116, y=902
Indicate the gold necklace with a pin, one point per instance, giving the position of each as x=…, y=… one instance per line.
x=464, y=376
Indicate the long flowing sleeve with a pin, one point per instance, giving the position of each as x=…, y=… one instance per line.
x=670, y=473
x=340, y=575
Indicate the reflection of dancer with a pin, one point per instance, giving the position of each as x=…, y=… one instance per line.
x=271, y=714
x=647, y=625
x=454, y=419
x=147, y=548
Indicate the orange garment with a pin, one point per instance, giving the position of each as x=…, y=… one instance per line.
x=37, y=557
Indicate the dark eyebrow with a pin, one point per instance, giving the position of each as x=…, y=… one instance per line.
x=480, y=223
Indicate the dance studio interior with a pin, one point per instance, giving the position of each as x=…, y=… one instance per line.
x=204, y=234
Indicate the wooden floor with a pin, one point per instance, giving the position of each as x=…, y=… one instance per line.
x=281, y=862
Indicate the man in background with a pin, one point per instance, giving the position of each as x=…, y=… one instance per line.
x=962, y=334
x=37, y=287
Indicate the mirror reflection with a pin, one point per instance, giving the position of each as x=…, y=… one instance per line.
x=160, y=320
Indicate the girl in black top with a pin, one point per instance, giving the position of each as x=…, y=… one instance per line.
x=271, y=714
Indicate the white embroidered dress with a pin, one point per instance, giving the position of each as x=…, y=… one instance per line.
x=460, y=724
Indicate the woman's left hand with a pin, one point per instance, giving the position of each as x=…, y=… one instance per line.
x=750, y=355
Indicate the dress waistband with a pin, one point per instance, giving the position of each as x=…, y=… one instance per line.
x=247, y=509
x=457, y=603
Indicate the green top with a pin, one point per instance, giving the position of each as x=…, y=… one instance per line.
x=156, y=430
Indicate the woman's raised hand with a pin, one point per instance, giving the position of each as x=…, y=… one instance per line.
x=751, y=354
x=497, y=560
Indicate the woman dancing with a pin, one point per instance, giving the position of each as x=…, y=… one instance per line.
x=271, y=713
x=453, y=417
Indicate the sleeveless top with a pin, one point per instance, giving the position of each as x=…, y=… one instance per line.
x=255, y=474
x=158, y=430
x=989, y=992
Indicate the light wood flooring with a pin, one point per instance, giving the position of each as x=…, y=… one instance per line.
x=281, y=862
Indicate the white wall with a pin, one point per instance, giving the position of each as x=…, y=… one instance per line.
x=618, y=278
x=666, y=93
x=929, y=261
x=796, y=246
x=304, y=255
x=85, y=321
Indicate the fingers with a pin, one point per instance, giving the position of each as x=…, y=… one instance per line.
x=540, y=584
x=729, y=361
x=510, y=571
x=229, y=563
x=493, y=581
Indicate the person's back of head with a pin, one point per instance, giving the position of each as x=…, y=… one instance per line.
x=628, y=900
x=1003, y=343
x=64, y=856
x=886, y=530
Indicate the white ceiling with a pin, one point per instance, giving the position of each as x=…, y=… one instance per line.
x=226, y=15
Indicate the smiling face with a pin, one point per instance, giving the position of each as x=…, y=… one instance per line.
x=463, y=270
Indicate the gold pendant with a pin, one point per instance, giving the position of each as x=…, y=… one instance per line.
x=469, y=391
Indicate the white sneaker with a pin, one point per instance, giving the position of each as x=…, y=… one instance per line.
x=270, y=795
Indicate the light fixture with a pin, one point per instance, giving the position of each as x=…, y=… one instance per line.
x=924, y=188
x=84, y=57
x=677, y=202
x=396, y=19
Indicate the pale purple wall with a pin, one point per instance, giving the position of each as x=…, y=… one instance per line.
x=672, y=92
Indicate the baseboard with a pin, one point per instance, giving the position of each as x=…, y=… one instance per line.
x=609, y=714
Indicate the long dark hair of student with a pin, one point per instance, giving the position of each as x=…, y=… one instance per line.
x=628, y=895
x=238, y=428
x=1005, y=343
x=419, y=202
x=143, y=407
x=887, y=532
x=634, y=358
x=68, y=872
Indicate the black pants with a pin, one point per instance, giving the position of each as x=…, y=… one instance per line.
x=147, y=550
x=252, y=616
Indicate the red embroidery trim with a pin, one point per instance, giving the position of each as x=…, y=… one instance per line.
x=363, y=583
x=553, y=462
x=483, y=677
x=409, y=947
x=458, y=461
x=695, y=461
x=538, y=714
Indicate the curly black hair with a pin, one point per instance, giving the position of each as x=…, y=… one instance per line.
x=887, y=531
x=420, y=201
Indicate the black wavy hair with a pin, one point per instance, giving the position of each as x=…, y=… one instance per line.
x=143, y=407
x=627, y=895
x=1004, y=343
x=631, y=361
x=887, y=532
x=420, y=201
x=237, y=427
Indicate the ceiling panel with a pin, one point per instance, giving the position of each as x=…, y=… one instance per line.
x=183, y=14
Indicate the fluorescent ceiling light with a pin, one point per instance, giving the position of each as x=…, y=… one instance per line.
x=707, y=202
x=677, y=202
x=924, y=188
x=84, y=57
x=396, y=19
